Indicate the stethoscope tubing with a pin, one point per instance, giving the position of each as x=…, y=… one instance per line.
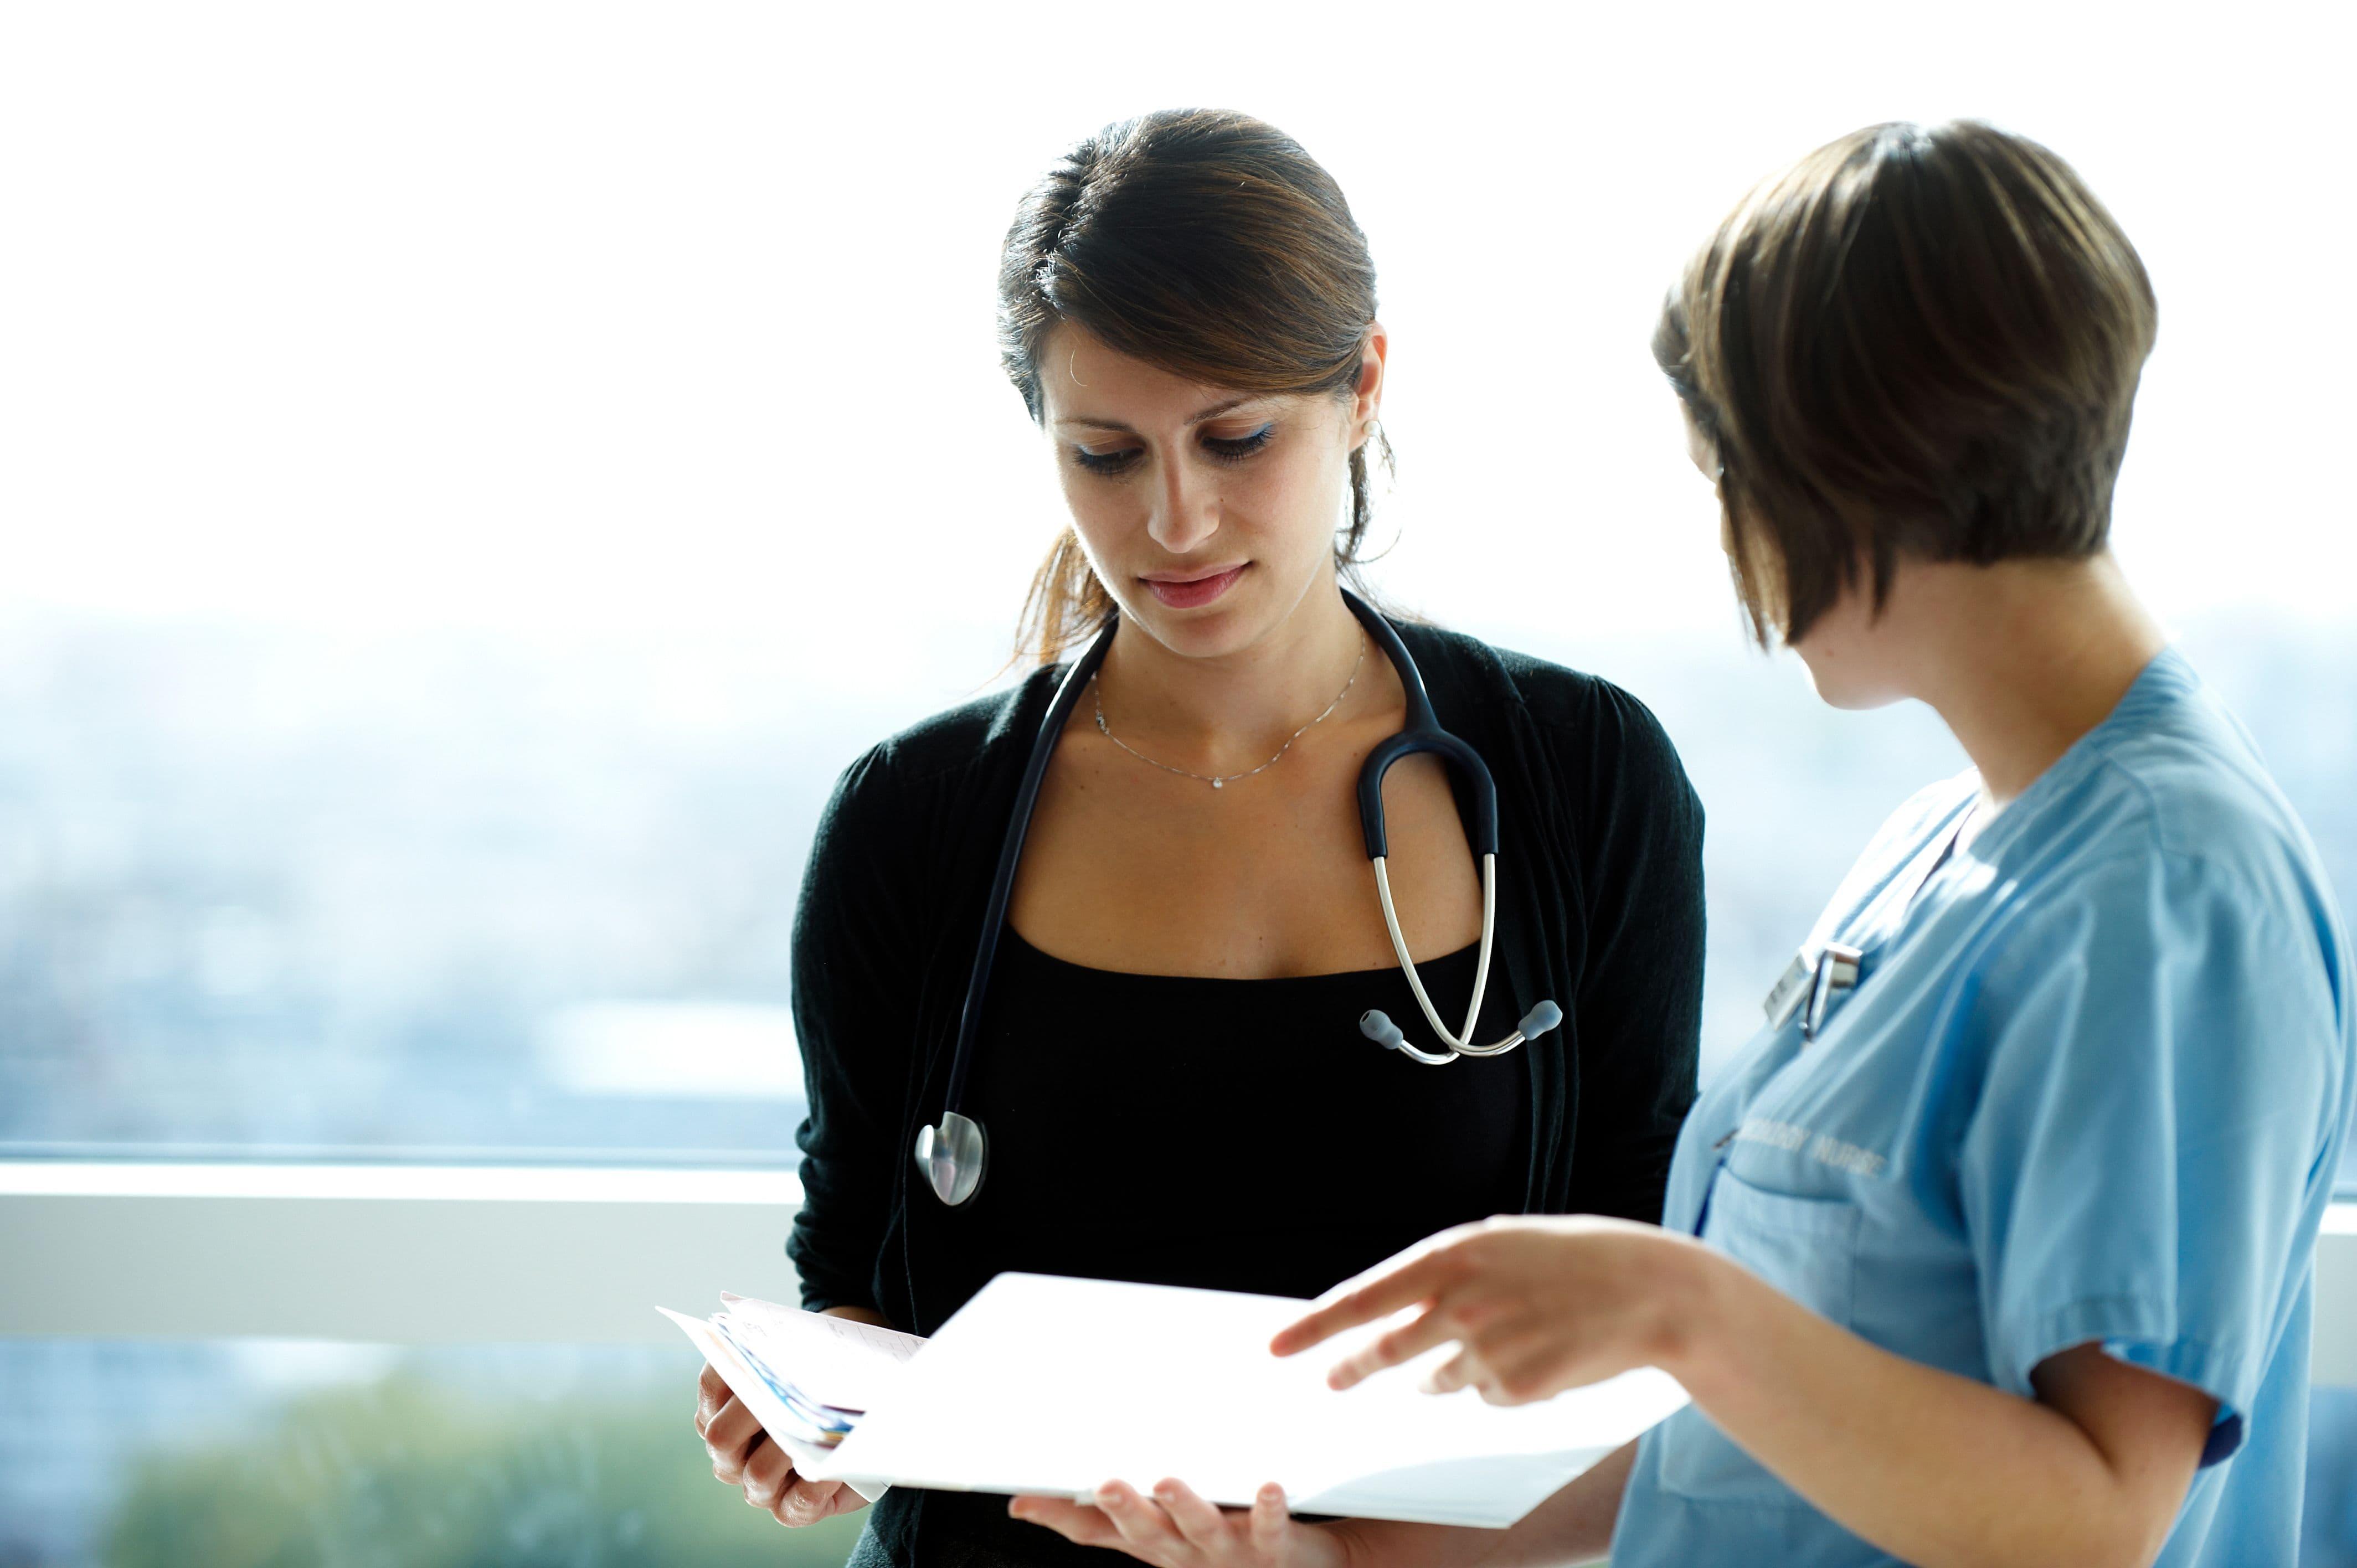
x=1010, y=853
x=952, y=1152
x=1459, y=1044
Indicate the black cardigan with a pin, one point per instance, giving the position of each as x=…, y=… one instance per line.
x=1599, y=907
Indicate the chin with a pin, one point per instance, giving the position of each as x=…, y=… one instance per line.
x=1841, y=685
x=1207, y=633
x=1203, y=636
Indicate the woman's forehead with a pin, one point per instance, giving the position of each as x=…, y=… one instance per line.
x=1085, y=381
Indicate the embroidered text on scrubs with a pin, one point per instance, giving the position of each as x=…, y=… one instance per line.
x=1822, y=1147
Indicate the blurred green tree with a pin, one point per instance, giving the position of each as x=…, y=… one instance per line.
x=410, y=1471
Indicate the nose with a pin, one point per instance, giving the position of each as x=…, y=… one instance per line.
x=1186, y=508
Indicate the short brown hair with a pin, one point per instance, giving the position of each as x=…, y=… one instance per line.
x=1918, y=341
x=1206, y=243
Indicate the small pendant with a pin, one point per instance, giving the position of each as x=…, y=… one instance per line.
x=1216, y=783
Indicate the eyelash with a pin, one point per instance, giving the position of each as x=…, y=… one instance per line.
x=1222, y=450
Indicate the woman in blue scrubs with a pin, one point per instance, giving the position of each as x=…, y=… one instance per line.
x=1994, y=1245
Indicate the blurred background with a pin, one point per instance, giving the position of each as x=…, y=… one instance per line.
x=470, y=477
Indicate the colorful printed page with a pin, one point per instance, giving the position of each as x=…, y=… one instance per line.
x=807, y=1377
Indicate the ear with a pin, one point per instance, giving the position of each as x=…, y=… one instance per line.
x=1368, y=402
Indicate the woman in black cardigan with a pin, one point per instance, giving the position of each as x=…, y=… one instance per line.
x=1169, y=1064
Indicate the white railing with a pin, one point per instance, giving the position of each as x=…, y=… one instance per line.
x=391, y=1254
x=429, y=1254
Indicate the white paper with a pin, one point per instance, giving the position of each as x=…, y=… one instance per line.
x=1052, y=1385
x=832, y=1360
x=838, y=1361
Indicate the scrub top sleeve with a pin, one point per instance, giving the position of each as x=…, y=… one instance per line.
x=852, y=1025
x=2160, y=1044
x=1638, y=1014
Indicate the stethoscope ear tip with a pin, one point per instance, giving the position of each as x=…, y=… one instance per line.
x=1539, y=1020
x=1379, y=1028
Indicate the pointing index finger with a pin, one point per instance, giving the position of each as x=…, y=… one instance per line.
x=1412, y=1281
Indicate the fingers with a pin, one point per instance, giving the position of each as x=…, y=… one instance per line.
x=729, y=1437
x=767, y=1474
x=1176, y=1525
x=1534, y=1365
x=711, y=1393
x=1076, y=1523
x=1451, y=1375
x=1202, y=1526
x=1510, y=1366
x=1271, y=1518
x=1146, y=1531
x=807, y=1502
x=1416, y=1276
x=1435, y=1326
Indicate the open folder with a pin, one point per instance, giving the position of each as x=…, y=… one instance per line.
x=1052, y=1385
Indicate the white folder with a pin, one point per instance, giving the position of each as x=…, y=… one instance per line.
x=1053, y=1385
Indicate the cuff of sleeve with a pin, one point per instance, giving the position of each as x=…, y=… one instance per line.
x=823, y=1281
x=2139, y=1333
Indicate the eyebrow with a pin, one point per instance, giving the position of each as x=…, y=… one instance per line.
x=1213, y=411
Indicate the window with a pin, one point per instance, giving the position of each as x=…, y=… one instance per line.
x=475, y=477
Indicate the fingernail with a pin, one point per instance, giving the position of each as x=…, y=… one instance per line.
x=1108, y=1496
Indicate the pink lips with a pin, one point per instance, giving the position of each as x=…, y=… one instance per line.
x=1188, y=595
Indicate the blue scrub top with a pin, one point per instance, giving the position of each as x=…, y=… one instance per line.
x=2091, y=1085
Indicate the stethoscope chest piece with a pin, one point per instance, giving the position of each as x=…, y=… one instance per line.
x=951, y=1155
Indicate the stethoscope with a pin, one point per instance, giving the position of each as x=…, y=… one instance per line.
x=952, y=1152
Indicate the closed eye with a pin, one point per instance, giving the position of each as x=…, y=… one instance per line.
x=1221, y=448
x=1236, y=449
x=1119, y=460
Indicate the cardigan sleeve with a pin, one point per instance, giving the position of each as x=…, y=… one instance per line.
x=854, y=927
x=1639, y=841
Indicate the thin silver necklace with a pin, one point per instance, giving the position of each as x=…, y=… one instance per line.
x=1220, y=781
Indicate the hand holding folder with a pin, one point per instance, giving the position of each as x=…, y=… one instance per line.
x=806, y=1377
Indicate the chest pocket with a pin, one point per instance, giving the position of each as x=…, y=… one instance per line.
x=1807, y=1249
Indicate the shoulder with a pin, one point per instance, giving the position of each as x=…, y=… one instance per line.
x=906, y=809
x=1585, y=722
x=948, y=750
x=2168, y=849
x=2174, y=782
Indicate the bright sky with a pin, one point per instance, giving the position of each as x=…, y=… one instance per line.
x=679, y=316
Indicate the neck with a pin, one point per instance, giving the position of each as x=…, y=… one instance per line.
x=2023, y=657
x=1225, y=712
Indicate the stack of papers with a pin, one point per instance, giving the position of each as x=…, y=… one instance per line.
x=808, y=1378
x=1052, y=1385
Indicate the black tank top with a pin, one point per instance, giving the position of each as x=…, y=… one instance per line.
x=1237, y=1135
